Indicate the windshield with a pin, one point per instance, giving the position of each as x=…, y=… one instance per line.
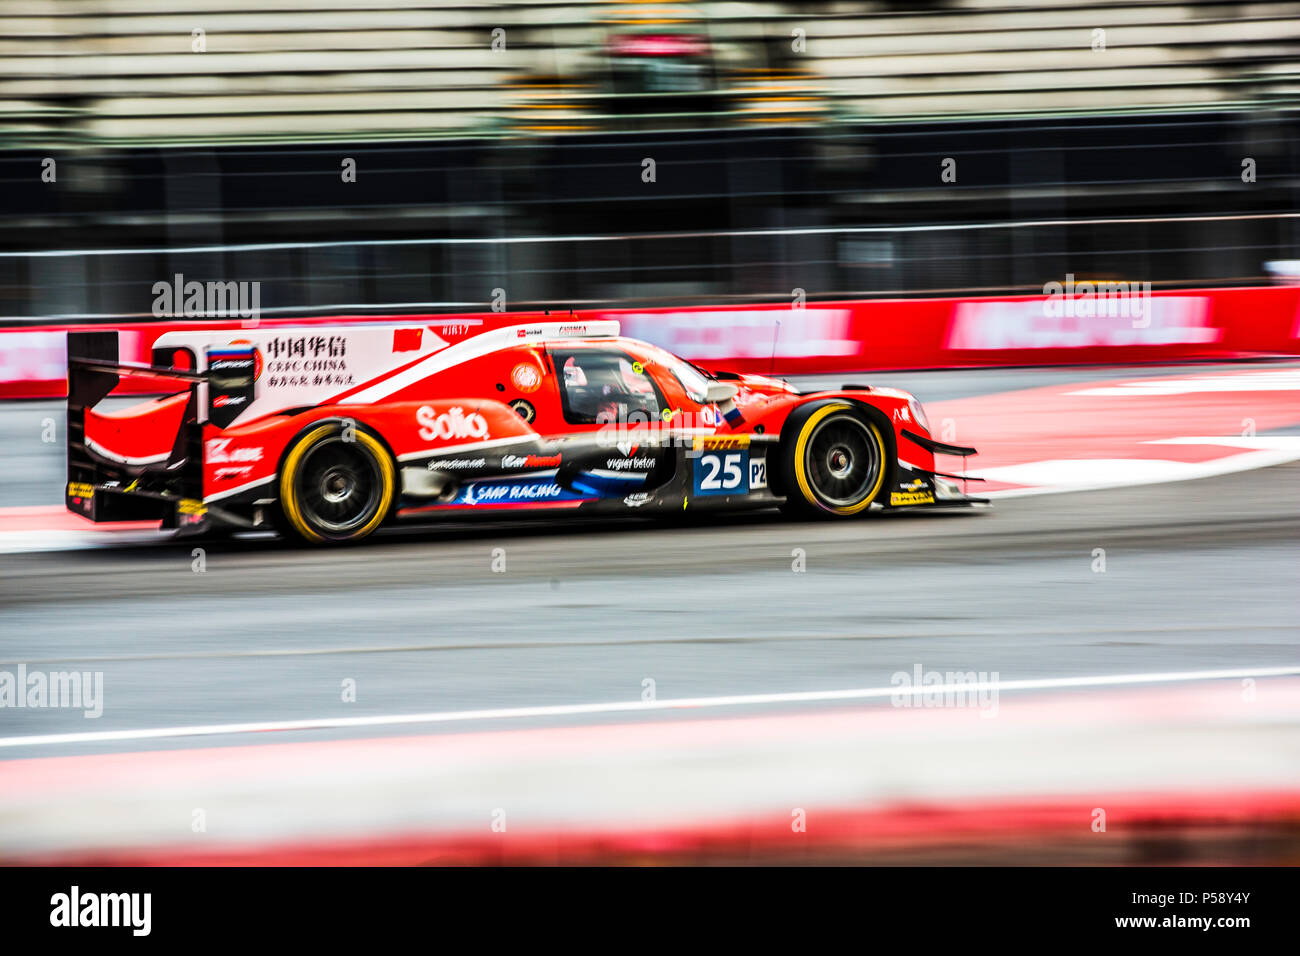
x=692, y=378
x=696, y=385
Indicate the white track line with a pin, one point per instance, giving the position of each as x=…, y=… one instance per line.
x=614, y=707
x=1066, y=476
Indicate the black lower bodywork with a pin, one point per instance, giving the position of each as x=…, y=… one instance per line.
x=101, y=489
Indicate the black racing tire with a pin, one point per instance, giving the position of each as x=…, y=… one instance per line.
x=835, y=460
x=336, y=485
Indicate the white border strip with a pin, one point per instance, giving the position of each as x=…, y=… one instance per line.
x=468, y=448
x=103, y=452
x=639, y=706
x=239, y=488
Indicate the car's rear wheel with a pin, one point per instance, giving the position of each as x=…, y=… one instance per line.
x=836, y=461
x=337, y=484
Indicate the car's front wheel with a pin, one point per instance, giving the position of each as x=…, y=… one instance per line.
x=834, y=461
x=337, y=484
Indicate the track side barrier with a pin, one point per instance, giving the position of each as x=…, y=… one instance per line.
x=1074, y=328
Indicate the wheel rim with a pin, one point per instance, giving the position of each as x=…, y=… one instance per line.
x=842, y=460
x=338, y=486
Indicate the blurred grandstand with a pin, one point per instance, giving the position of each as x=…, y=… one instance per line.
x=796, y=145
x=119, y=72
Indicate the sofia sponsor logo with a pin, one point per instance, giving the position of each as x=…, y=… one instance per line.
x=453, y=423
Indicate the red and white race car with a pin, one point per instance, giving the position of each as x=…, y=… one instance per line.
x=328, y=432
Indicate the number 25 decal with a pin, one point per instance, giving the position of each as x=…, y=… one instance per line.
x=719, y=474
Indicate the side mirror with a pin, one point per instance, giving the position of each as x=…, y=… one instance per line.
x=720, y=392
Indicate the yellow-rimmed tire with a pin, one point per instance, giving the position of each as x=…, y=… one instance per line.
x=835, y=460
x=337, y=483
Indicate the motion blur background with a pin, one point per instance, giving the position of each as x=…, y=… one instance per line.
x=409, y=156
x=795, y=145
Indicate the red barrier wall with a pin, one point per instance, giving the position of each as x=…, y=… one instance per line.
x=1172, y=326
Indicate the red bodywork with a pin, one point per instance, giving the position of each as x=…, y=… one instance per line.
x=464, y=405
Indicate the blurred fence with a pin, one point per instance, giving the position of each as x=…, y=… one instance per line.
x=839, y=212
x=527, y=272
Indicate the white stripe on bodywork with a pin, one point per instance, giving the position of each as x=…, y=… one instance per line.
x=540, y=474
x=610, y=473
x=239, y=488
x=476, y=347
x=437, y=362
x=99, y=449
x=467, y=447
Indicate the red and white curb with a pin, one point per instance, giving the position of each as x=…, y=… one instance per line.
x=1062, y=475
x=1118, y=433
x=28, y=529
x=1220, y=748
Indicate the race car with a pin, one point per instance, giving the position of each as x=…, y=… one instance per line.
x=326, y=433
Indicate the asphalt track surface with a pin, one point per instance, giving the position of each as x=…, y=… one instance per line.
x=1199, y=575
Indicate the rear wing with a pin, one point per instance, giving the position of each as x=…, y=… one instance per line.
x=94, y=370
